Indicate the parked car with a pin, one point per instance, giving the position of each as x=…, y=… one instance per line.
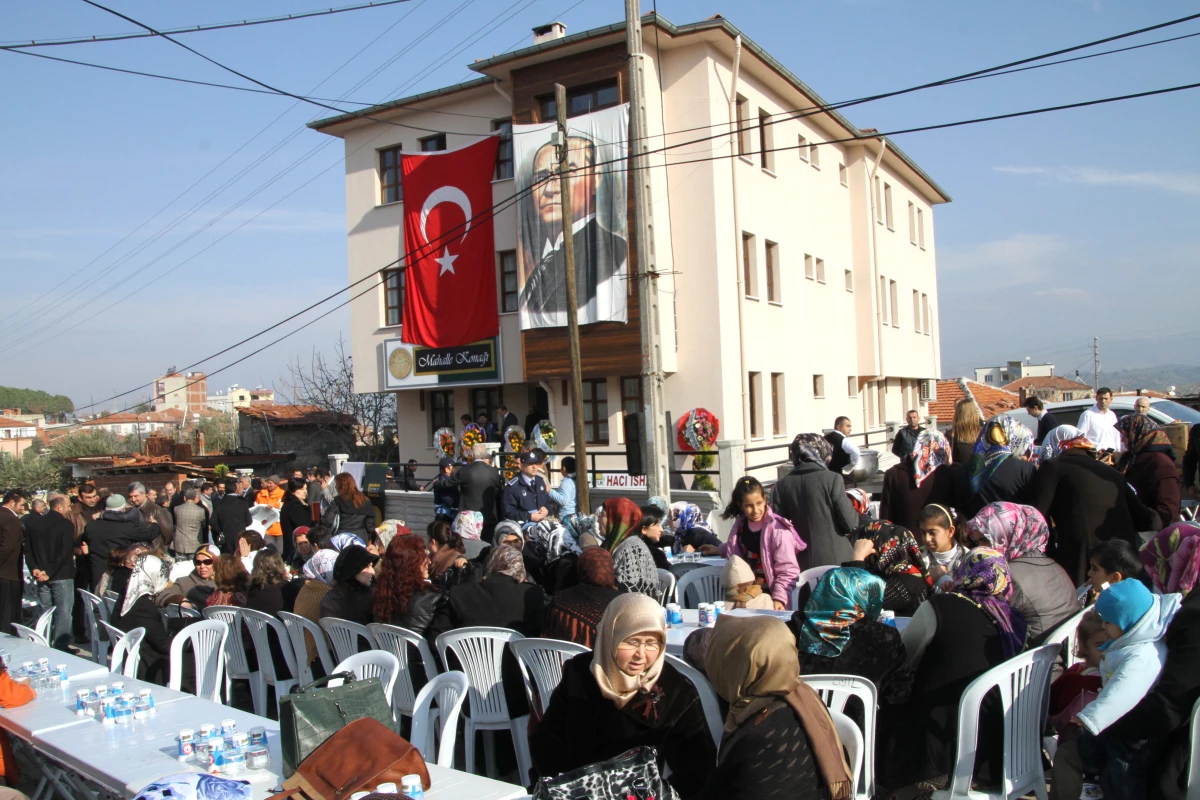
x=1162, y=411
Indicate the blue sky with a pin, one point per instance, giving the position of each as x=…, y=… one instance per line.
x=1063, y=227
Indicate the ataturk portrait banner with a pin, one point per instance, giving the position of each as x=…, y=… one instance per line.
x=598, y=148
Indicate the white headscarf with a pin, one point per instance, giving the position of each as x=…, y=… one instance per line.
x=150, y=576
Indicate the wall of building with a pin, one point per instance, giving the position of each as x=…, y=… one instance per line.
x=312, y=445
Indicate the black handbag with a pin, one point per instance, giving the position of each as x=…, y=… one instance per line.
x=312, y=714
x=633, y=774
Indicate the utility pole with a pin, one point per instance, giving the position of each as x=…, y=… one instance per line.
x=583, y=500
x=1095, y=363
x=654, y=425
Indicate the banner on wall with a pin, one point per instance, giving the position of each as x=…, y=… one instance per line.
x=411, y=367
x=598, y=148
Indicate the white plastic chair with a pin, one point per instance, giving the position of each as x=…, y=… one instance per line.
x=1193, y=783
x=852, y=742
x=701, y=585
x=261, y=626
x=450, y=689
x=708, y=697
x=479, y=651
x=237, y=666
x=373, y=664
x=30, y=634
x=1082, y=592
x=126, y=649
x=344, y=636
x=110, y=604
x=835, y=691
x=42, y=626
x=666, y=586
x=208, y=637
x=395, y=640
x=809, y=578
x=1023, y=682
x=94, y=611
x=297, y=627
x=541, y=662
x=1066, y=635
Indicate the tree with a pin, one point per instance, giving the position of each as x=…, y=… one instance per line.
x=34, y=401
x=220, y=434
x=92, y=443
x=30, y=471
x=329, y=385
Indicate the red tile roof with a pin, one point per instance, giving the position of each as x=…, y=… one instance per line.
x=992, y=401
x=1049, y=382
x=169, y=416
x=280, y=416
x=5, y=422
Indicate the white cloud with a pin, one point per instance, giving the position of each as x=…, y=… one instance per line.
x=1177, y=182
x=1013, y=261
x=1064, y=293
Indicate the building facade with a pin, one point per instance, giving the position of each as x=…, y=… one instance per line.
x=187, y=392
x=128, y=423
x=16, y=435
x=809, y=278
x=1011, y=372
x=236, y=396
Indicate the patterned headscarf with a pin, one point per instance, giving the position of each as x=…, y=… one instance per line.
x=1000, y=438
x=859, y=499
x=585, y=525
x=1010, y=529
x=982, y=577
x=621, y=518
x=931, y=451
x=595, y=567
x=1063, y=438
x=843, y=596
x=811, y=447
x=344, y=540
x=1144, y=436
x=150, y=576
x=468, y=524
x=506, y=560
x=320, y=566
x=896, y=550
x=1172, y=558
x=660, y=502
x=548, y=533
x=688, y=517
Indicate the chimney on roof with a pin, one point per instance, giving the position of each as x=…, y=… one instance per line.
x=549, y=32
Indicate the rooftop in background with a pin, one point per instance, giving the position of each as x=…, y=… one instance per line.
x=280, y=416
x=1045, y=382
x=992, y=401
x=6, y=422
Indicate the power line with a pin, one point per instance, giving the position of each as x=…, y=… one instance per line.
x=116, y=37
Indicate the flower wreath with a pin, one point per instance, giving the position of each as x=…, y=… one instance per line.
x=471, y=436
x=514, y=439
x=697, y=430
x=545, y=436
x=443, y=442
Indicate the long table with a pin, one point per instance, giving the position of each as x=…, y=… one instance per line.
x=677, y=634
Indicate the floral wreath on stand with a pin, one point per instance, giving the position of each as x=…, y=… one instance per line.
x=471, y=436
x=514, y=443
x=545, y=437
x=443, y=442
x=697, y=432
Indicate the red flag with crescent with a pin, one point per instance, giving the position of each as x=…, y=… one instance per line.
x=450, y=274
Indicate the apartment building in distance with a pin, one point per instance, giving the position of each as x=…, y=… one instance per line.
x=1012, y=371
x=833, y=248
x=236, y=396
x=187, y=392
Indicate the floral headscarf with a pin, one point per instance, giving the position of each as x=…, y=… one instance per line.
x=506, y=560
x=150, y=576
x=1172, y=558
x=1000, y=438
x=1144, y=436
x=843, y=596
x=982, y=577
x=687, y=517
x=1012, y=530
x=859, y=499
x=660, y=502
x=1063, y=438
x=585, y=525
x=344, y=540
x=468, y=524
x=320, y=566
x=810, y=447
x=550, y=534
x=621, y=518
x=896, y=550
x=931, y=451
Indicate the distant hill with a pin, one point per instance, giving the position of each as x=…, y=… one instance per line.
x=1185, y=378
x=34, y=401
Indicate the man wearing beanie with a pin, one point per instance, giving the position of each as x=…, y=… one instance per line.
x=1136, y=622
x=119, y=525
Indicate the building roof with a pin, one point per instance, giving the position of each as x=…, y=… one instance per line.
x=282, y=416
x=992, y=401
x=6, y=422
x=168, y=416
x=1048, y=382
x=403, y=101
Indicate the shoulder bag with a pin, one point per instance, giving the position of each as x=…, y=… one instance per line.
x=316, y=712
x=632, y=775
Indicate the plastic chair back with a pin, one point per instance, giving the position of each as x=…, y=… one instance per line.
x=835, y=691
x=852, y=742
x=1023, y=682
x=126, y=649
x=450, y=691
x=373, y=664
x=395, y=640
x=701, y=585
x=1193, y=781
x=261, y=626
x=93, y=612
x=541, y=662
x=42, y=626
x=708, y=697
x=208, y=649
x=666, y=586
x=110, y=604
x=299, y=630
x=236, y=664
x=479, y=651
x=1066, y=634
x=344, y=636
x=1082, y=592
x=809, y=578
x=30, y=634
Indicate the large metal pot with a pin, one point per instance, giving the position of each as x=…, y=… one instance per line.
x=865, y=469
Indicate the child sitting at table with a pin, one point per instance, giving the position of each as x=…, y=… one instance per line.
x=766, y=540
x=741, y=591
x=12, y=694
x=943, y=544
x=1110, y=563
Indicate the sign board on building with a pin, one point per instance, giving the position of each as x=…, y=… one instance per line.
x=409, y=366
x=620, y=481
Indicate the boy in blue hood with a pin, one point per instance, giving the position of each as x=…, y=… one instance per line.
x=1135, y=621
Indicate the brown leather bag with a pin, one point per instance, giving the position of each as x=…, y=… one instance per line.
x=357, y=758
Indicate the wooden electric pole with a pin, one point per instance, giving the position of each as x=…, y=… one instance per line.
x=583, y=500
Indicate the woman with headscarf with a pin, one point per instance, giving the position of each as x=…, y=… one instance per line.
x=634, y=563
x=136, y=609
x=891, y=552
x=503, y=599
x=814, y=500
x=954, y=637
x=997, y=471
x=1172, y=558
x=1061, y=439
x=779, y=738
x=692, y=533
x=914, y=483
x=448, y=560
x=838, y=632
x=1149, y=465
x=318, y=574
x=623, y=695
x=574, y=613
x=353, y=577
x=1042, y=590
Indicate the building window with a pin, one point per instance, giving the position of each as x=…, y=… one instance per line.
x=755, y=395
x=389, y=175
x=820, y=270
x=743, y=124
x=849, y=281
x=766, y=156
x=777, y=404
x=749, y=273
x=878, y=203
x=916, y=311
x=393, y=296
x=508, y=281
x=925, y=314
x=925, y=389
x=921, y=228
x=887, y=206
x=852, y=386
x=912, y=223
x=441, y=410
x=595, y=410
x=843, y=175
x=587, y=99
x=810, y=267
x=881, y=391
x=432, y=144
x=803, y=148
x=883, y=302
x=774, y=295
x=814, y=156
x=504, y=153
x=486, y=401
x=818, y=386
x=987, y=378
x=631, y=395
x=894, y=291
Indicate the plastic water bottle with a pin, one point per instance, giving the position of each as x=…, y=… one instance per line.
x=61, y=669
x=888, y=618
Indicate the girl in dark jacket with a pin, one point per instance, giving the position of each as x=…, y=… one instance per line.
x=350, y=597
x=350, y=511
x=294, y=513
x=270, y=592
x=622, y=695
x=403, y=594
x=1149, y=465
x=136, y=609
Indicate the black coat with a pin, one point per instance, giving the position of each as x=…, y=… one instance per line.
x=49, y=541
x=12, y=540
x=1087, y=502
x=814, y=500
x=875, y=652
x=231, y=516
x=349, y=518
x=292, y=514
x=1008, y=483
x=1155, y=478
x=271, y=600
x=348, y=600
x=582, y=727
x=768, y=756
x=961, y=451
x=420, y=610
x=111, y=530
x=156, y=644
x=1046, y=423
x=445, y=491
x=481, y=484
x=1191, y=457
x=497, y=601
x=903, y=500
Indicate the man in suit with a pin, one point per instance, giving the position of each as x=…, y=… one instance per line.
x=526, y=500
x=481, y=487
x=231, y=516
x=88, y=508
x=153, y=514
x=191, y=526
x=490, y=434
x=119, y=525
x=11, y=540
x=1046, y=421
x=49, y=540
x=507, y=419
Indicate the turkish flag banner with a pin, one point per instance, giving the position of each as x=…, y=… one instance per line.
x=450, y=273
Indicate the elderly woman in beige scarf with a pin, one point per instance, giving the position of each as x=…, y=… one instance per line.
x=624, y=694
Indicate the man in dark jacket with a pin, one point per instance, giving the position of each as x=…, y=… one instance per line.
x=481, y=486
x=153, y=514
x=526, y=499
x=906, y=437
x=231, y=516
x=49, y=541
x=88, y=509
x=11, y=585
x=445, y=491
x=507, y=419
x=1046, y=421
x=119, y=526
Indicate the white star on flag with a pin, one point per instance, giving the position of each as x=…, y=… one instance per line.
x=447, y=262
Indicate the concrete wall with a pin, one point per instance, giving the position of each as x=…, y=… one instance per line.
x=311, y=444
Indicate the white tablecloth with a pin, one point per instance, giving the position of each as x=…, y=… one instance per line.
x=19, y=650
x=451, y=784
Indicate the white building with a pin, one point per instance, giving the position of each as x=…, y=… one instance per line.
x=236, y=396
x=1012, y=371
x=835, y=236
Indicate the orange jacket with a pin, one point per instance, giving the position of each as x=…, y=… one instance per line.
x=274, y=499
x=12, y=694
